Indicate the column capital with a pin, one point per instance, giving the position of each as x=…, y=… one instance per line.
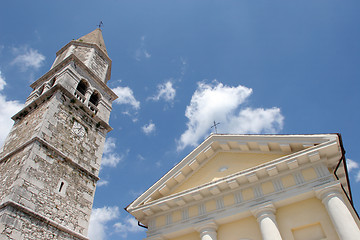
x=328, y=191
x=157, y=237
x=206, y=226
x=264, y=210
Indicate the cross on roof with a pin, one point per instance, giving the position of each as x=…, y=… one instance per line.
x=215, y=126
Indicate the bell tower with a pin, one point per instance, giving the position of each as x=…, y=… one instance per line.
x=50, y=161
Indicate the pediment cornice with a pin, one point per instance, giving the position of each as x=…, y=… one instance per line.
x=300, y=149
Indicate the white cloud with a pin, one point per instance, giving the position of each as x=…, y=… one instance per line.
x=129, y=225
x=2, y=82
x=149, y=128
x=357, y=178
x=351, y=165
x=141, y=52
x=140, y=157
x=102, y=183
x=7, y=110
x=27, y=58
x=98, y=228
x=166, y=91
x=110, y=157
x=221, y=103
x=126, y=96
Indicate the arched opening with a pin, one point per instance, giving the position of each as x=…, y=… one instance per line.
x=82, y=87
x=94, y=98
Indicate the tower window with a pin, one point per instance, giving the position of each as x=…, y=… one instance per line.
x=82, y=87
x=94, y=98
x=61, y=186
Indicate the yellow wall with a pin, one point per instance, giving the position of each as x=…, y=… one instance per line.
x=235, y=162
x=241, y=229
x=191, y=236
x=305, y=214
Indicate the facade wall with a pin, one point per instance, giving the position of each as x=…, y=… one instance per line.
x=306, y=219
x=15, y=225
x=37, y=186
x=246, y=228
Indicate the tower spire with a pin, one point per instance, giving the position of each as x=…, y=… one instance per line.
x=94, y=37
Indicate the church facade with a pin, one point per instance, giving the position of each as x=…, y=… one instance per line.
x=50, y=162
x=251, y=187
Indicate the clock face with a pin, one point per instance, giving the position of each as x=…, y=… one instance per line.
x=78, y=129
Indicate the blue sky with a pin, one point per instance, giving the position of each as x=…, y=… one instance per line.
x=292, y=67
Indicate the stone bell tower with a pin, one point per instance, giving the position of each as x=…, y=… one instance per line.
x=50, y=161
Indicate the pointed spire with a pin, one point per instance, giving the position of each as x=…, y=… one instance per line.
x=95, y=37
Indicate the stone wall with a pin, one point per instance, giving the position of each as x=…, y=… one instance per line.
x=16, y=225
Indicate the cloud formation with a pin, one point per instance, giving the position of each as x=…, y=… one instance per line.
x=351, y=167
x=7, y=110
x=221, y=103
x=142, y=52
x=101, y=224
x=165, y=91
x=149, y=128
x=110, y=157
x=126, y=96
x=129, y=225
x=99, y=219
x=27, y=58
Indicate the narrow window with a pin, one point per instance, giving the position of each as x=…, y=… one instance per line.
x=61, y=186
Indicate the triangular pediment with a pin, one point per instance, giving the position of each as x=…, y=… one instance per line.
x=225, y=161
x=222, y=165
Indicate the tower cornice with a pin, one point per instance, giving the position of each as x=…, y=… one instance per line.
x=79, y=63
x=38, y=101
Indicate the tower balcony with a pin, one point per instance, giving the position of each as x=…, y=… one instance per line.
x=79, y=96
x=92, y=107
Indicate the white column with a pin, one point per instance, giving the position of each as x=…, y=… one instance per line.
x=343, y=221
x=208, y=231
x=265, y=215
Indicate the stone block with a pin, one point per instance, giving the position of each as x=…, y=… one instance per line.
x=15, y=234
x=27, y=203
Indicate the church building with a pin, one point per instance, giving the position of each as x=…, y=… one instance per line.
x=50, y=162
x=252, y=187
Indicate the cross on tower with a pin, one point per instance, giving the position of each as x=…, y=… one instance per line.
x=100, y=24
x=215, y=126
